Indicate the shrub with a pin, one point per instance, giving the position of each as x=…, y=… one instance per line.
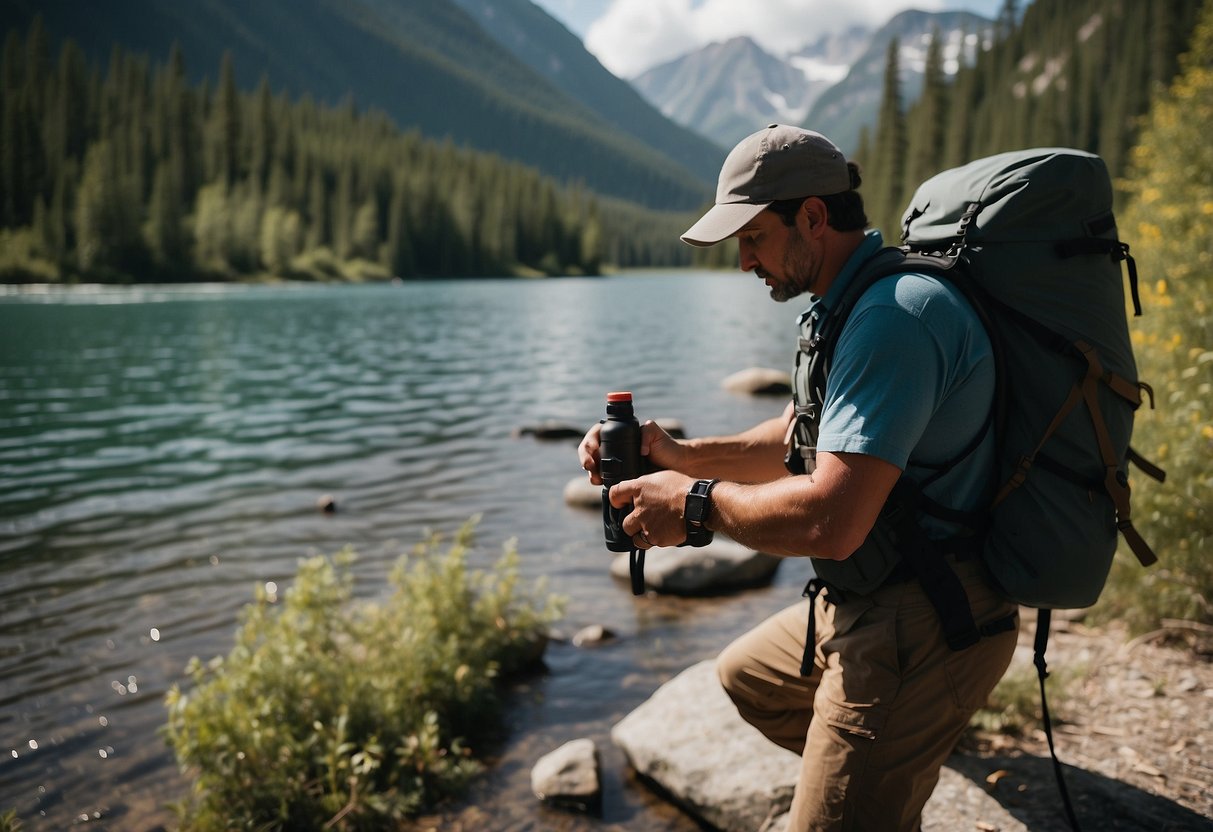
x=1170, y=225
x=334, y=714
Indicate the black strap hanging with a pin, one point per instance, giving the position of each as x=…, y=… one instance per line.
x=811, y=590
x=1043, y=617
x=636, y=570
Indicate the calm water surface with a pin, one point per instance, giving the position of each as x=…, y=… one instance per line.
x=162, y=450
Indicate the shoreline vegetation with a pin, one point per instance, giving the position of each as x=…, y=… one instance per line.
x=332, y=712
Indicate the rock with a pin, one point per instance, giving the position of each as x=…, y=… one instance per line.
x=549, y=430
x=569, y=776
x=689, y=740
x=582, y=493
x=592, y=636
x=721, y=566
x=759, y=381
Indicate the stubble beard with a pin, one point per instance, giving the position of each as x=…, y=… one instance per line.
x=799, y=269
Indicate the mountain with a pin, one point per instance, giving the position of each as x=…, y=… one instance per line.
x=426, y=63
x=852, y=104
x=728, y=90
x=551, y=50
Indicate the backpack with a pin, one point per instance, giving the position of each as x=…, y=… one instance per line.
x=1030, y=239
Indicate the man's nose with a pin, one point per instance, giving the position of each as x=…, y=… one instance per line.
x=746, y=251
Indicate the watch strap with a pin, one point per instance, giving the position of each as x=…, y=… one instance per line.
x=698, y=505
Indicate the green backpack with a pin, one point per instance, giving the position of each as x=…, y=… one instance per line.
x=1035, y=232
x=1030, y=239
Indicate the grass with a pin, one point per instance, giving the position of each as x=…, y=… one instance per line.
x=332, y=714
x=1014, y=705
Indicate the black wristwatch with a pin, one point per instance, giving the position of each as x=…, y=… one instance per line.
x=698, y=505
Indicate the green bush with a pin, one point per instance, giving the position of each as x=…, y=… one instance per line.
x=9, y=821
x=1169, y=223
x=335, y=714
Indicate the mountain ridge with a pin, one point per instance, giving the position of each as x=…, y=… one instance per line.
x=727, y=90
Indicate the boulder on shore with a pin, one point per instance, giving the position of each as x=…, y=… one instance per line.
x=689, y=739
x=759, y=381
x=721, y=566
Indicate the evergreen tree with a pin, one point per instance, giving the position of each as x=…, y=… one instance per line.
x=927, y=123
x=398, y=250
x=213, y=230
x=11, y=130
x=165, y=231
x=108, y=238
x=225, y=126
x=318, y=212
x=888, y=171
x=262, y=140
x=364, y=236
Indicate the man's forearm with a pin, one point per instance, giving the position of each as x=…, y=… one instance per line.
x=826, y=515
x=755, y=455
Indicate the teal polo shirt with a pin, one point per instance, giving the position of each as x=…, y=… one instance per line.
x=912, y=382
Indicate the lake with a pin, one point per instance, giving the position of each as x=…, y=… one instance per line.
x=162, y=450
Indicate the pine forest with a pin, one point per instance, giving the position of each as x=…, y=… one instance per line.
x=132, y=174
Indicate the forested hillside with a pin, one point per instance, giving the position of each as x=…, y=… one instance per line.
x=135, y=174
x=427, y=64
x=1076, y=73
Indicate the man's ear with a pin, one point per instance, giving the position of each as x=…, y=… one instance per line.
x=815, y=213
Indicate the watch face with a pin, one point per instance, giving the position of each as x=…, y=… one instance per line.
x=697, y=502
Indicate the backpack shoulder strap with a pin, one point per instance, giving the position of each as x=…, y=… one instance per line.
x=889, y=261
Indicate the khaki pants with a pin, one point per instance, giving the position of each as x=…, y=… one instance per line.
x=885, y=703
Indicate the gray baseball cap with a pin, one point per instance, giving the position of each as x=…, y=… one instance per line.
x=777, y=162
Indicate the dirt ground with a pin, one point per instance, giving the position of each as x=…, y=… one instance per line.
x=1133, y=727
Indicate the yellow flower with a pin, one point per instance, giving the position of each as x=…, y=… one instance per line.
x=1161, y=287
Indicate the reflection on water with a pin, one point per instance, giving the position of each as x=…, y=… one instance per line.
x=162, y=450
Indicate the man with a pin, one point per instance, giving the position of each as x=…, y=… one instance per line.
x=882, y=698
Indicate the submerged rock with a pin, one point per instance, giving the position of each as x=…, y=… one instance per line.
x=759, y=381
x=582, y=493
x=570, y=776
x=721, y=566
x=592, y=636
x=549, y=431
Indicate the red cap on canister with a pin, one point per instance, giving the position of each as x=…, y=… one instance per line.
x=619, y=397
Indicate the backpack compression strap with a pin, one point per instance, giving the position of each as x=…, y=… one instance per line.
x=1115, y=482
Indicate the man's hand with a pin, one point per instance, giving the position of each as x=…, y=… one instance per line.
x=658, y=504
x=661, y=449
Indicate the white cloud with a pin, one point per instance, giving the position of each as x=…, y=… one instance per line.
x=634, y=35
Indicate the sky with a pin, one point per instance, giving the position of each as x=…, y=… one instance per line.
x=630, y=36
